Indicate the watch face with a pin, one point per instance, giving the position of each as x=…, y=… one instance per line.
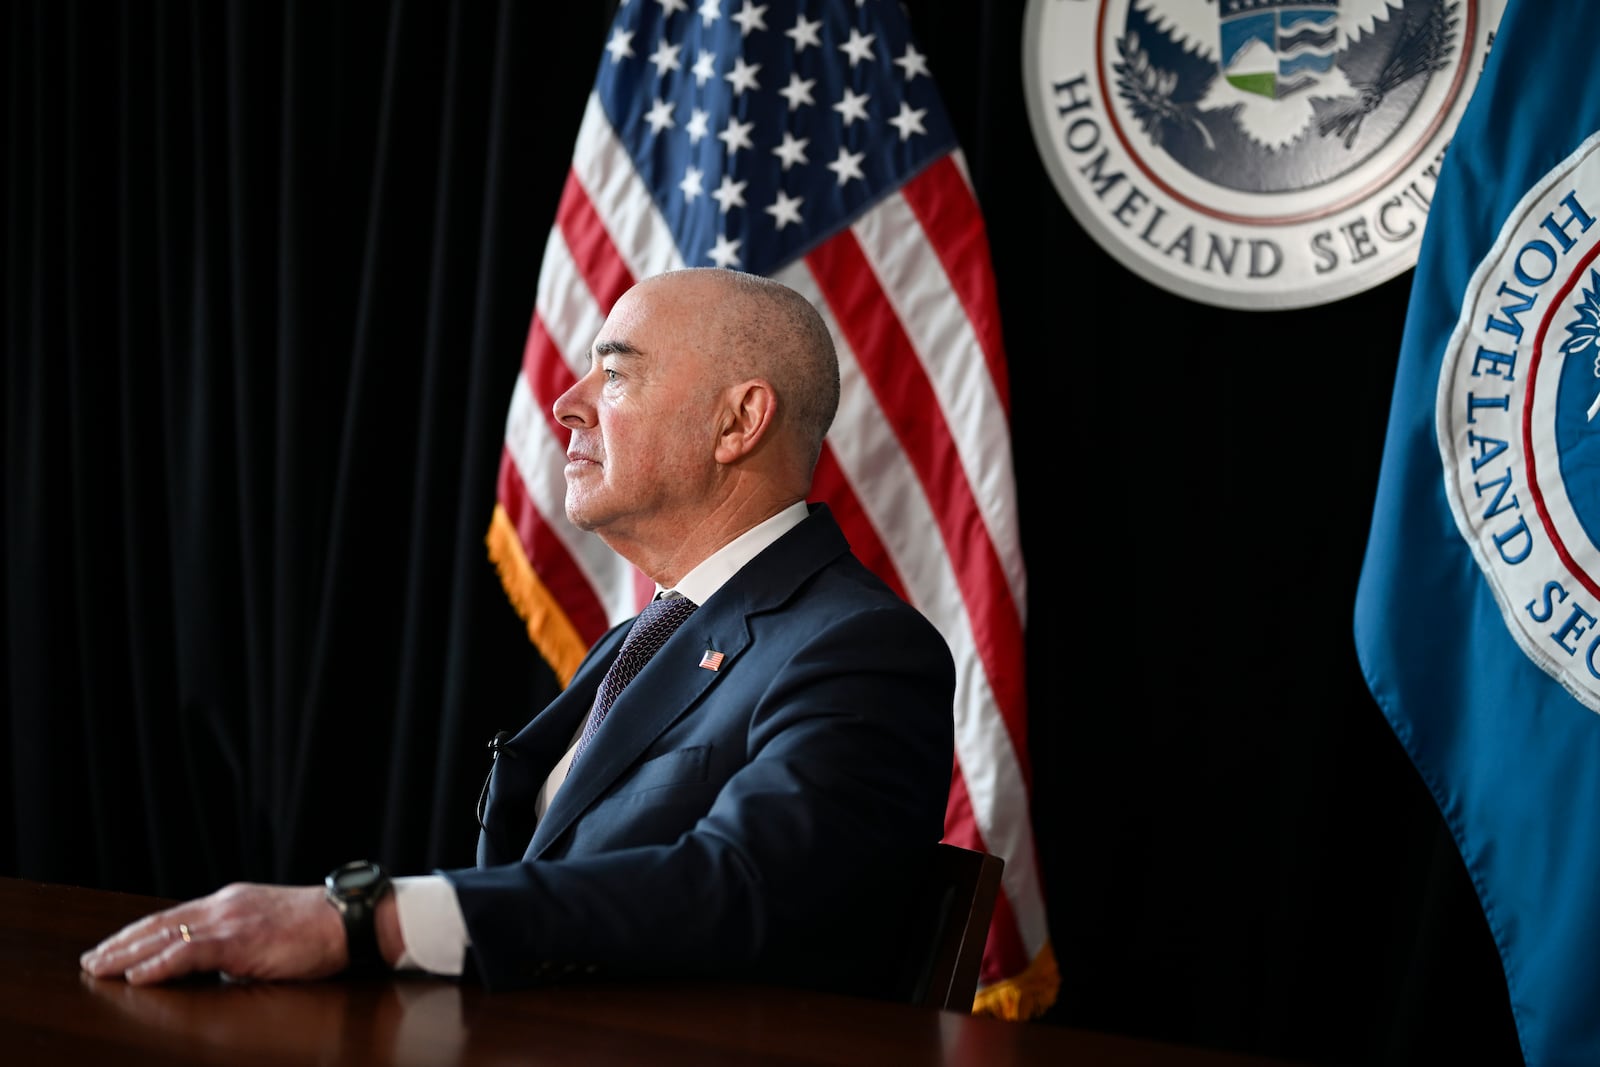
x=356, y=879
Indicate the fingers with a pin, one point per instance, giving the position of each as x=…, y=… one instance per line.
x=156, y=948
x=178, y=956
x=242, y=930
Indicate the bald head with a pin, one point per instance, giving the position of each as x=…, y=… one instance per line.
x=760, y=328
x=701, y=413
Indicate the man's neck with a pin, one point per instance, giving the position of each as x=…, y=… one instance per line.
x=690, y=545
x=704, y=579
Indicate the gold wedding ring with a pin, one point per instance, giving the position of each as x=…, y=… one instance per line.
x=183, y=932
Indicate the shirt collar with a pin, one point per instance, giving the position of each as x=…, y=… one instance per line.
x=712, y=572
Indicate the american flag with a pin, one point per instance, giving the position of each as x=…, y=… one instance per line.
x=807, y=142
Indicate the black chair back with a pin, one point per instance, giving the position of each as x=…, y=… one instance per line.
x=950, y=926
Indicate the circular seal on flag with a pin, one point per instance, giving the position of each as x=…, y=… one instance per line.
x=1258, y=154
x=1518, y=413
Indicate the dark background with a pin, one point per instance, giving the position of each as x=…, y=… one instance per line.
x=267, y=272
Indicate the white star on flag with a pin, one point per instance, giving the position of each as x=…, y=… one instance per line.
x=852, y=106
x=725, y=253
x=859, y=46
x=804, y=33
x=736, y=135
x=729, y=194
x=698, y=125
x=692, y=183
x=620, y=46
x=848, y=165
x=909, y=120
x=792, y=149
x=665, y=58
x=785, y=210
x=704, y=67
x=750, y=18
x=743, y=76
x=913, y=63
x=798, y=91
x=660, y=116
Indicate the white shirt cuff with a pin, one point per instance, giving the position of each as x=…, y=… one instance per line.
x=431, y=922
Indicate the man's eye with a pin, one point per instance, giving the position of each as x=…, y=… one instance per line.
x=610, y=374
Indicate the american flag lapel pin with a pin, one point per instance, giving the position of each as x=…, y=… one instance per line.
x=711, y=660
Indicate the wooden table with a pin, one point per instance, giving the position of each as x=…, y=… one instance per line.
x=53, y=1014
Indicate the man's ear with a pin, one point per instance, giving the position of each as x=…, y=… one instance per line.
x=746, y=418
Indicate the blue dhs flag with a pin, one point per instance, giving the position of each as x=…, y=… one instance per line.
x=1476, y=614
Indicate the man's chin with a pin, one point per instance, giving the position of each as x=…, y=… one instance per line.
x=579, y=515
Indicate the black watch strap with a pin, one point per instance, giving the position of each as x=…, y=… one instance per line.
x=354, y=890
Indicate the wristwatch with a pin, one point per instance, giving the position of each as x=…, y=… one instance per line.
x=354, y=890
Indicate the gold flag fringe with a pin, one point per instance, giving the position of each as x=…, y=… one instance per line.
x=1022, y=996
x=549, y=629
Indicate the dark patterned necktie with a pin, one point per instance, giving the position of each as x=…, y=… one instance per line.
x=650, y=631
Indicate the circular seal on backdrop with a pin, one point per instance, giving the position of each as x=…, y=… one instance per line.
x=1518, y=414
x=1259, y=154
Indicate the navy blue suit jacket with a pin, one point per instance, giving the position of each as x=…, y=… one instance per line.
x=763, y=820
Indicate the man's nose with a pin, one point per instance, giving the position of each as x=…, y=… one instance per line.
x=573, y=407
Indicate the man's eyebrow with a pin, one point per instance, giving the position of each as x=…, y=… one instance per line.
x=612, y=348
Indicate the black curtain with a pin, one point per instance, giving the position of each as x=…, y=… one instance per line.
x=268, y=271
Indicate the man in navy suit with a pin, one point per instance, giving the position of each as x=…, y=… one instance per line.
x=759, y=801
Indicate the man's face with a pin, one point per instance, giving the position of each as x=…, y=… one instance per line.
x=641, y=418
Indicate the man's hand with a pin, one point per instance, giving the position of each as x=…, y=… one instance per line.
x=242, y=930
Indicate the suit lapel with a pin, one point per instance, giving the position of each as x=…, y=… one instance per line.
x=670, y=686
x=527, y=759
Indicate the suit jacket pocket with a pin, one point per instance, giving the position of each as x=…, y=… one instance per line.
x=662, y=800
x=683, y=766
